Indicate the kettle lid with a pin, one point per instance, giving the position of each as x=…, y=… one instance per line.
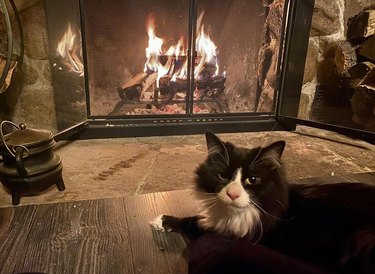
x=26, y=136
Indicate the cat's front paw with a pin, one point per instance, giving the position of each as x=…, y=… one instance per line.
x=157, y=223
x=162, y=223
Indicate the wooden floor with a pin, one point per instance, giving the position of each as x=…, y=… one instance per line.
x=102, y=236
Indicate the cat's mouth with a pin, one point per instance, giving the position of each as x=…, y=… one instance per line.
x=236, y=206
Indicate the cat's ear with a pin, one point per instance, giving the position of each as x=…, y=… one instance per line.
x=274, y=150
x=216, y=146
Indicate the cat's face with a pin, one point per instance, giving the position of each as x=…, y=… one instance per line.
x=240, y=186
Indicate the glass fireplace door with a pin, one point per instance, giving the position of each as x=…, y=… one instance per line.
x=136, y=56
x=181, y=57
x=228, y=39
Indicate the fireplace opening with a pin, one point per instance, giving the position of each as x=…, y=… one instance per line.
x=169, y=58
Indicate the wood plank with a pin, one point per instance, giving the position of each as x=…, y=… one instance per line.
x=155, y=251
x=15, y=225
x=106, y=235
x=77, y=237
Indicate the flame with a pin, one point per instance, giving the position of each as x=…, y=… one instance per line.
x=179, y=47
x=71, y=50
x=153, y=51
x=205, y=47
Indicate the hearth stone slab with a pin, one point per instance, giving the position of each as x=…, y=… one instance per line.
x=108, y=168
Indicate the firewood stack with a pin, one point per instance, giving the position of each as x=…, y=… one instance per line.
x=357, y=61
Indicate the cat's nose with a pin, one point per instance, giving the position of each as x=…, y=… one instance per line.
x=233, y=195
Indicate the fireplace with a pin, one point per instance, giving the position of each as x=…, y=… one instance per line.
x=139, y=68
x=168, y=57
x=175, y=67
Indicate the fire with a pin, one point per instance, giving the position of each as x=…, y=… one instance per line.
x=205, y=47
x=71, y=51
x=154, y=51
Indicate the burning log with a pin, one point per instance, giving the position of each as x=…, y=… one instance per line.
x=208, y=70
x=143, y=86
x=166, y=88
x=138, y=87
x=209, y=87
x=132, y=89
x=166, y=83
x=130, y=93
x=212, y=82
x=170, y=89
x=136, y=80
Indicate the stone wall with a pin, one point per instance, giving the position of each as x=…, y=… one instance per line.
x=329, y=25
x=30, y=98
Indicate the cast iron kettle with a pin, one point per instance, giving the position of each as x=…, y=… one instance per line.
x=29, y=164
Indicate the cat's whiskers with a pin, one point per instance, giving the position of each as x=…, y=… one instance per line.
x=260, y=233
x=273, y=159
x=281, y=204
x=209, y=200
x=265, y=140
x=215, y=150
x=208, y=206
x=203, y=194
x=255, y=163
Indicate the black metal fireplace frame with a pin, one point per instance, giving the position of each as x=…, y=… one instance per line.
x=292, y=56
x=145, y=125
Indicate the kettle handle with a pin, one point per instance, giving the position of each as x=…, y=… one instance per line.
x=14, y=149
x=2, y=135
x=19, y=160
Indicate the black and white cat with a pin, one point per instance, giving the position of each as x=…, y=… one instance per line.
x=244, y=195
x=243, y=192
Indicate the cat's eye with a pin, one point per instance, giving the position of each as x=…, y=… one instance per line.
x=252, y=180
